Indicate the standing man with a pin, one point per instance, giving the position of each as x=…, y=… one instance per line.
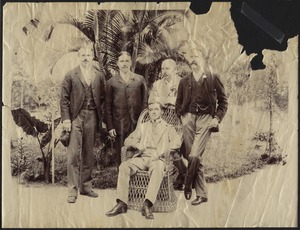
x=154, y=140
x=125, y=100
x=201, y=103
x=82, y=96
x=165, y=90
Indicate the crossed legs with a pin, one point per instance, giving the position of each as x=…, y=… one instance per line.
x=196, y=135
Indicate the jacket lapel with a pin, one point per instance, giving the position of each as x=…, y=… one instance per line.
x=120, y=79
x=80, y=75
x=162, y=129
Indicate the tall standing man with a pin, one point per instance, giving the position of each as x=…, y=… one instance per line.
x=126, y=98
x=201, y=103
x=82, y=96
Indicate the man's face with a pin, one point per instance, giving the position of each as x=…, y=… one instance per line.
x=193, y=56
x=168, y=68
x=154, y=111
x=124, y=63
x=85, y=56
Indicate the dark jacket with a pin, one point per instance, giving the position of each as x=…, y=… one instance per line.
x=73, y=94
x=124, y=102
x=215, y=89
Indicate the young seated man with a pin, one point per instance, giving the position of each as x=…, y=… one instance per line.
x=154, y=139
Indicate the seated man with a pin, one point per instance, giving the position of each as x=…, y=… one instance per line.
x=154, y=139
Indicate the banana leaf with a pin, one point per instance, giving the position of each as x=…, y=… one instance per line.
x=48, y=136
x=30, y=125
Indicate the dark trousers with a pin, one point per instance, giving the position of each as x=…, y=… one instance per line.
x=80, y=152
x=181, y=166
x=119, y=143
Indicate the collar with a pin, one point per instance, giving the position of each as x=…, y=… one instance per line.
x=85, y=69
x=129, y=74
x=157, y=121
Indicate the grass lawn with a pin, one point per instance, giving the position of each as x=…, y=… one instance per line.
x=231, y=153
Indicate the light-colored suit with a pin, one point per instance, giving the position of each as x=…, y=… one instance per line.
x=154, y=140
x=165, y=92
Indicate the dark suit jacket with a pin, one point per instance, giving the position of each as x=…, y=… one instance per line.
x=215, y=90
x=72, y=93
x=124, y=102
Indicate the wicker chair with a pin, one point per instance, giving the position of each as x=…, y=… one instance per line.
x=166, y=199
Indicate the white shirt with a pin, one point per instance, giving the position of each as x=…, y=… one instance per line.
x=126, y=77
x=86, y=72
x=197, y=76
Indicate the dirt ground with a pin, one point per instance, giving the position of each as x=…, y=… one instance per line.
x=267, y=198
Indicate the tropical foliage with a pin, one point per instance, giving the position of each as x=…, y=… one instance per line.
x=41, y=131
x=144, y=33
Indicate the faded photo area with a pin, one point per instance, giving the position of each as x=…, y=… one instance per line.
x=148, y=115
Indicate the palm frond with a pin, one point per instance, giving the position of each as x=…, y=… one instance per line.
x=48, y=32
x=60, y=49
x=147, y=55
x=68, y=19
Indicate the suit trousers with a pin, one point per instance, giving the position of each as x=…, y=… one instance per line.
x=119, y=143
x=196, y=135
x=80, y=152
x=128, y=168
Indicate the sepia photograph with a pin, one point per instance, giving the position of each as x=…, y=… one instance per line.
x=150, y=114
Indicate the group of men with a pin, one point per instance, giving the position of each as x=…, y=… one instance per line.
x=199, y=101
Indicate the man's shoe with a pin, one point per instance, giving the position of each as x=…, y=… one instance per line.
x=187, y=193
x=118, y=209
x=90, y=194
x=146, y=212
x=199, y=200
x=71, y=199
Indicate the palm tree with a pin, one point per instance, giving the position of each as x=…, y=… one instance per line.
x=146, y=33
x=149, y=34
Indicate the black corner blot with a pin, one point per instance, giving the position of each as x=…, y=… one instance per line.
x=257, y=62
x=200, y=7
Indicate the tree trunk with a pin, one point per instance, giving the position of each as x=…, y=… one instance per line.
x=135, y=52
x=147, y=70
x=47, y=167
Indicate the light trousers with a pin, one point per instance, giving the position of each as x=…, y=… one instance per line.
x=128, y=168
x=196, y=135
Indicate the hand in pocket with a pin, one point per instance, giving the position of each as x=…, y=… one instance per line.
x=185, y=118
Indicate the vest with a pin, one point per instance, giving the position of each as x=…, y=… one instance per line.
x=88, y=102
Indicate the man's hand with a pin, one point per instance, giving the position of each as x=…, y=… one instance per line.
x=186, y=118
x=214, y=123
x=112, y=133
x=67, y=125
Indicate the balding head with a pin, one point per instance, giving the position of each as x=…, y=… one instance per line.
x=168, y=69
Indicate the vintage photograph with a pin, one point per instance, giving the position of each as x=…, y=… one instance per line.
x=146, y=115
